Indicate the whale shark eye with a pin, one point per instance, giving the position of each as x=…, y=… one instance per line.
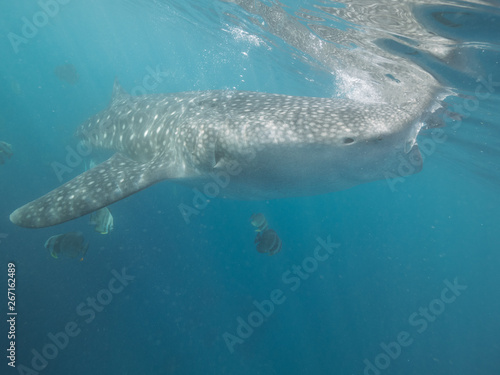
x=348, y=141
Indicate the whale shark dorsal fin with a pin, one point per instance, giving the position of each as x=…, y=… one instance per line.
x=119, y=93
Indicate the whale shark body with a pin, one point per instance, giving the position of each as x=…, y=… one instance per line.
x=270, y=145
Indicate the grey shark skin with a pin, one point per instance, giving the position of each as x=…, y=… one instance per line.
x=282, y=146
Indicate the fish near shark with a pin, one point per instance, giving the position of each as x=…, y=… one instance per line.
x=274, y=146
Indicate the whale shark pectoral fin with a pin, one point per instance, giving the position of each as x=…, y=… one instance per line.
x=108, y=182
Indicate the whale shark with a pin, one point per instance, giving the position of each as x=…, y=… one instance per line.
x=265, y=145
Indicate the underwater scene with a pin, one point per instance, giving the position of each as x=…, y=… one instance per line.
x=250, y=187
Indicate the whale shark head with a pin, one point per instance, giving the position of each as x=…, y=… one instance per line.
x=268, y=145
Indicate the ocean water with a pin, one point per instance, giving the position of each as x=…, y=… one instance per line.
x=411, y=284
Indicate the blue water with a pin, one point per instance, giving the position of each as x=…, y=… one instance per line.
x=400, y=246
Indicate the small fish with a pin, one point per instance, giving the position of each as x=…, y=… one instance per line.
x=103, y=220
x=268, y=242
x=68, y=245
x=67, y=73
x=259, y=221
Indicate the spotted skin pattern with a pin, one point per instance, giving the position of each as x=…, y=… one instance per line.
x=282, y=146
